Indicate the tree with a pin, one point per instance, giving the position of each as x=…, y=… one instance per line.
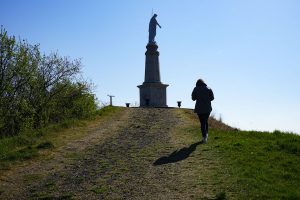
x=52, y=70
x=18, y=64
x=36, y=89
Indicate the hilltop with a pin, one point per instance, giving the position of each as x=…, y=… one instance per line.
x=138, y=153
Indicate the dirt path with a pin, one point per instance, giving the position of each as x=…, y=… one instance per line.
x=127, y=157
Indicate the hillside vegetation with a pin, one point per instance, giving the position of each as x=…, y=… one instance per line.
x=138, y=153
x=38, y=90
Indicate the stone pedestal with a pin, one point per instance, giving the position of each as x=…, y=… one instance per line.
x=153, y=93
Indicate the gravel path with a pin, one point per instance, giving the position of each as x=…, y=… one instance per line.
x=115, y=160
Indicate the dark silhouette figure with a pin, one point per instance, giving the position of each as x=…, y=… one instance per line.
x=203, y=96
x=152, y=28
x=177, y=155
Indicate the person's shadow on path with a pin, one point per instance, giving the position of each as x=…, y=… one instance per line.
x=177, y=155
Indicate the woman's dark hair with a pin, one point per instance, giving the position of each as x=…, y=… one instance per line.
x=200, y=82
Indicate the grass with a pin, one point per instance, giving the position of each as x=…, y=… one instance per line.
x=21, y=154
x=29, y=178
x=45, y=145
x=253, y=165
x=99, y=189
x=260, y=165
x=46, y=196
x=28, y=145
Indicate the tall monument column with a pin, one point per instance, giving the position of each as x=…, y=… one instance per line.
x=153, y=93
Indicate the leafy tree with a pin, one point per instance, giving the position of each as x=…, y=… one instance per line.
x=75, y=101
x=18, y=64
x=38, y=89
x=52, y=70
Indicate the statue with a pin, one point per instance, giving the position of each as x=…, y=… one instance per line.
x=152, y=28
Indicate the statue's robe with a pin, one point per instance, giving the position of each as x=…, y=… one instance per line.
x=152, y=29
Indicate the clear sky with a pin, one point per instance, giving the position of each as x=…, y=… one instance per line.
x=247, y=51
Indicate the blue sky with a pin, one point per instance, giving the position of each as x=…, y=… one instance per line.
x=247, y=51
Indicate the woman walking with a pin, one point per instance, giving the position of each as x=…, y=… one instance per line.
x=203, y=96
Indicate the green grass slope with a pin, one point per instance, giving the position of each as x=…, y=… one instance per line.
x=252, y=165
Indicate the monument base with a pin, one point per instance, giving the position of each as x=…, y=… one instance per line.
x=153, y=94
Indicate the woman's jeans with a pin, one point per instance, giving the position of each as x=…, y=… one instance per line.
x=204, y=123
